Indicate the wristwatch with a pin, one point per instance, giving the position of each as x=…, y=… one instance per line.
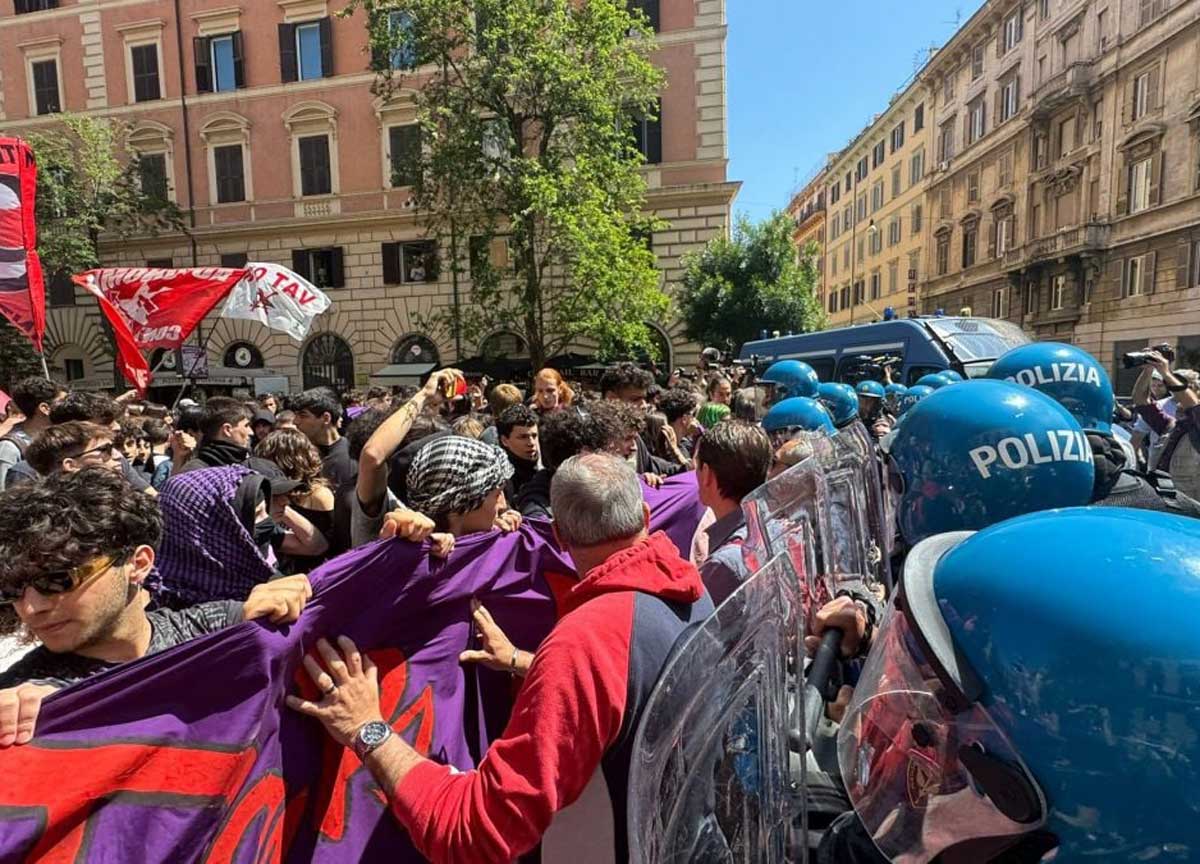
x=369, y=737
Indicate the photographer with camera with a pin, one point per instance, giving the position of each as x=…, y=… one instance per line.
x=1180, y=455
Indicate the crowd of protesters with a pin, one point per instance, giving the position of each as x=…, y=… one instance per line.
x=126, y=529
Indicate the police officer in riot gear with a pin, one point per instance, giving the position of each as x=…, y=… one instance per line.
x=786, y=379
x=1074, y=379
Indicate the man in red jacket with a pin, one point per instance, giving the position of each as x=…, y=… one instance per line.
x=576, y=715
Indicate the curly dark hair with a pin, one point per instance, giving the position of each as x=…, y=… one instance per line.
x=67, y=520
x=622, y=376
x=610, y=422
x=29, y=393
x=567, y=433
x=362, y=427
x=85, y=405
x=514, y=416
x=317, y=401
x=677, y=402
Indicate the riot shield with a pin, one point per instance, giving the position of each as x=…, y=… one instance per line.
x=709, y=779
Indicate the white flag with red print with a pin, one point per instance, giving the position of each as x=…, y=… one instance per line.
x=277, y=298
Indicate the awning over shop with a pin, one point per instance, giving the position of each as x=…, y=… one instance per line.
x=402, y=373
x=218, y=376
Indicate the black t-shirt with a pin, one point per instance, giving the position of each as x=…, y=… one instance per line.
x=168, y=628
x=336, y=465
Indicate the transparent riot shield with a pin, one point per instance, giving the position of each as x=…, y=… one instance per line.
x=827, y=514
x=709, y=780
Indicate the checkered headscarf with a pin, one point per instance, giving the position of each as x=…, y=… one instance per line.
x=453, y=474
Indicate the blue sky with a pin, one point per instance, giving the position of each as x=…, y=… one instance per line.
x=805, y=76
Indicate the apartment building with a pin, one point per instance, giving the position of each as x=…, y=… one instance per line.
x=1066, y=187
x=258, y=121
x=875, y=197
x=807, y=209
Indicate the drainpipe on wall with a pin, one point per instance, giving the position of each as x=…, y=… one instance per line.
x=187, y=135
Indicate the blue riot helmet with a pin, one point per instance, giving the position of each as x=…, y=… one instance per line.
x=974, y=454
x=840, y=400
x=892, y=394
x=1068, y=375
x=790, y=378
x=871, y=389
x=798, y=414
x=952, y=376
x=934, y=380
x=911, y=396
x=1003, y=696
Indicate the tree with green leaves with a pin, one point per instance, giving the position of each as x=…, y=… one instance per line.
x=738, y=286
x=89, y=187
x=527, y=144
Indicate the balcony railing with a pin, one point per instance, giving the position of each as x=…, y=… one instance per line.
x=1057, y=90
x=1069, y=241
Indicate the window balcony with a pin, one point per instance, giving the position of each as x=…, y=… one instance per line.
x=1058, y=90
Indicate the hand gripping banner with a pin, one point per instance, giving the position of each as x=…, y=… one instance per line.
x=191, y=755
x=22, y=292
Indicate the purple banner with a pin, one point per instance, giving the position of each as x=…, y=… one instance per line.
x=191, y=755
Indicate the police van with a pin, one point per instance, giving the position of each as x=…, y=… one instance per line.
x=920, y=344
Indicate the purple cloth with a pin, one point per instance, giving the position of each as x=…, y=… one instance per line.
x=207, y=553
x=190, y=755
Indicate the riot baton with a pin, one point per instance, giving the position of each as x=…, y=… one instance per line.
x=822, y=681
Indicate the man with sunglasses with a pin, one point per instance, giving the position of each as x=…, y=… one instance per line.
x=76, y=555
x=72, y=446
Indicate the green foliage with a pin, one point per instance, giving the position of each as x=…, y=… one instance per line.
x=88, y=186
x=738, y=286
x=17, y=359
x=526, y=134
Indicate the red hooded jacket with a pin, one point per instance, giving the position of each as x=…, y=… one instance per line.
x=574, y=718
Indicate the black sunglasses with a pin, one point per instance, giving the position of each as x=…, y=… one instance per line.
x=63, y=581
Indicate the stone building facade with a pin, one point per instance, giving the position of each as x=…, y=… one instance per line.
x=807, y=210
x=258, y=121
x=1066, y=189
x=876, y=224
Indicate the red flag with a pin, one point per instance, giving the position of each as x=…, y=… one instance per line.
x=22, y=293
x=133, y=365
x=161, y=306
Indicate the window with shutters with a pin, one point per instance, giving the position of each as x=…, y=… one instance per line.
x=861, y=208
x=835, y=192
x=944, y=202
x=894, y=231
x=943, y=254
x=1193, y=269
x=1097, y=119
x=847, y=217
x=230, y=173
x=417, y=262
x=849, y=179
x=833, y=301
x=896, y=180
x=404, y=154
x=973, y=187
x=977, y=62
x=861, y=248
x=1058, y=291
x=876, y=242
x=969, y=245
x=1005, y=226
x=877, y=195
x=976, y=112
x=402, y=34
x=1000, y=303
x=1150, y=10
x=143, y=61
x=325, y=268
x=898, y=137
x=1134, y=274
x=1041, y=151
x=844, y=297
x=880, y=154
x=315, y=176
x=22, y=7
x=915, y=218
x=919, y=118
x=916, y=170
x=152, y=173
x=647, y=135
x=846, y=256
x=875, y=283
x=863, y=169
x=1141, y=94
x=45, y=86
x=1043, y=9
x=835, y=229
x=1066, y=136
x=1139, y=185
x=1010, y=94
x=1013, y=31
x=1031, y=298
x=893, y=276
x=1004, y=169
x=948, y=87
x=225, y=62
x=833, y=268
x=946, y=141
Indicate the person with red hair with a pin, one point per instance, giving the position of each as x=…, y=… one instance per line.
x=550, y=391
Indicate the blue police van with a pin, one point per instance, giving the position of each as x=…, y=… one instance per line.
x=921, y=345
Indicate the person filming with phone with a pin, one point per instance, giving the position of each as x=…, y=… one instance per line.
x=1180, y=454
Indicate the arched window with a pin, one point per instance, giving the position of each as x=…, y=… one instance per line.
x=504, y=345
x=328, y=362
x=415, y=349
x=243, y=355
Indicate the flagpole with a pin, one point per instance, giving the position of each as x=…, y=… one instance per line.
x=188, y=380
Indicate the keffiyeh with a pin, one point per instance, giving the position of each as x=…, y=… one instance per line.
x=454, y=474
